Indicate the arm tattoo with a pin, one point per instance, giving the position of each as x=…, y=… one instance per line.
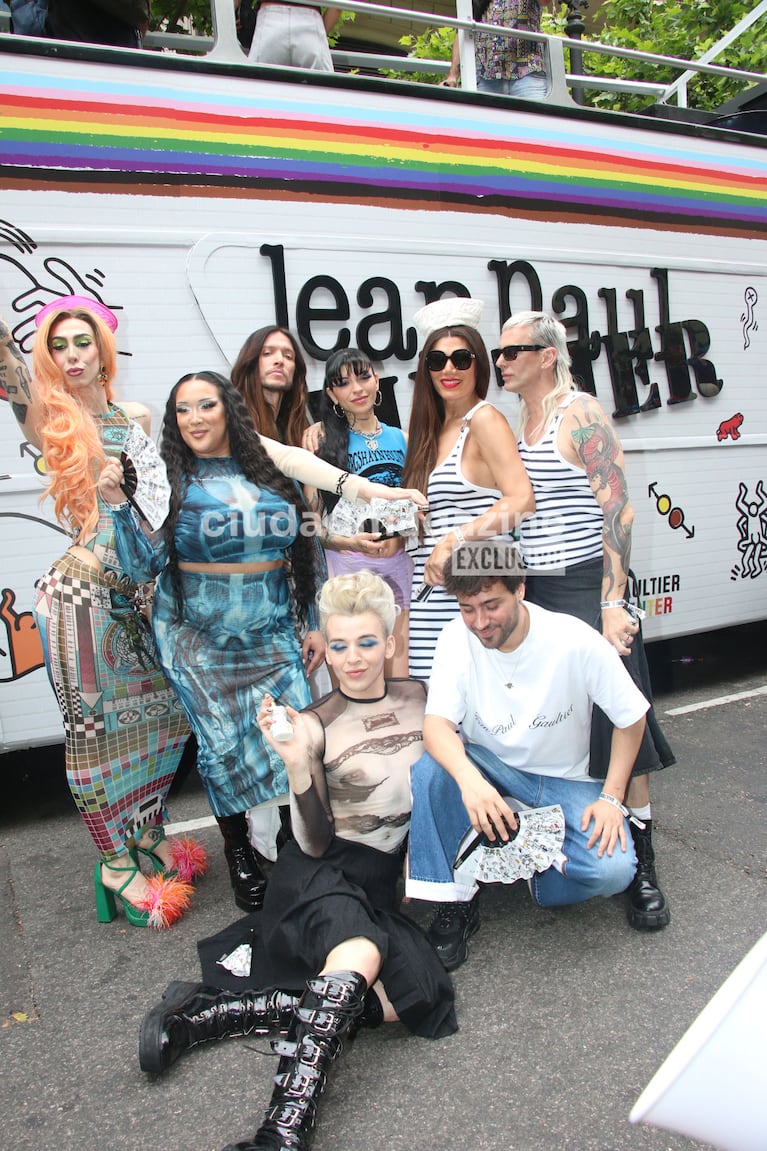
x=598, y=449
x=11, y=354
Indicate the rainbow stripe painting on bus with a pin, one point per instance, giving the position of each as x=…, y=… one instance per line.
x=131, y=130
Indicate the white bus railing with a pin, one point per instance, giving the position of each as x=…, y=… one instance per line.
x=224, y=47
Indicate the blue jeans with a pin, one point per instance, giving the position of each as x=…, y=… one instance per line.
x=440, y=821
x=533, y=86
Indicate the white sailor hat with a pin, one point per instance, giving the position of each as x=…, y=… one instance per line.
x=448, y=313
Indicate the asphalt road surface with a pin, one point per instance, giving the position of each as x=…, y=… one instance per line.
x=564, y=1015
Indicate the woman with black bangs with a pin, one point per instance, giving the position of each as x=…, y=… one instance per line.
x=355, y=439
x=225, y=612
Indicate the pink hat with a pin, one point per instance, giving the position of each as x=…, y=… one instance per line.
x=67, y=303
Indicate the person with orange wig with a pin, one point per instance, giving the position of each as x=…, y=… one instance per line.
x=124, y=730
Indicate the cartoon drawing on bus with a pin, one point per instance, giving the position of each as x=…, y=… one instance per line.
x=675, y=516
x=20, y=649
x=748, y=318
x=752, y=528
x=22, y=641
x=730, y=428
x=57, y=278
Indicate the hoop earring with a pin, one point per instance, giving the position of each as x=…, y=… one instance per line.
x=339, y=411
x=378, y=400
x=103, y=378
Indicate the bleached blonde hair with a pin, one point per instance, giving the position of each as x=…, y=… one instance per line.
x=544, y=329
x=355, y=593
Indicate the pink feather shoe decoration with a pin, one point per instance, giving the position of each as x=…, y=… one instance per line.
x=166, y=901
x=189, y=859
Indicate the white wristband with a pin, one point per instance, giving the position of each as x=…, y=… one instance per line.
x=622, y=809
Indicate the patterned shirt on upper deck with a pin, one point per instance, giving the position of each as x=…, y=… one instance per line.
x=503, y=58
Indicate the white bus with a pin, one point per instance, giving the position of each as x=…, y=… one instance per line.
x=201, y=197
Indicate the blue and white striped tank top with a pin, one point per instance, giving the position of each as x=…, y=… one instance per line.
x=567, y=526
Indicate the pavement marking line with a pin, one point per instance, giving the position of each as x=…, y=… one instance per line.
x=190, y=825
x=718, y=701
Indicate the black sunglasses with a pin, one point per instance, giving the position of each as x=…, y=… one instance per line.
x=461, y=359
x=511, y=351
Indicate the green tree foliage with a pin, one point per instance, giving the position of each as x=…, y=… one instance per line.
x=431, y=44
x=178, y=15
x=684, y=28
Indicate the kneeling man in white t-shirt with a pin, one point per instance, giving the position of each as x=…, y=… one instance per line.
x=509, y=714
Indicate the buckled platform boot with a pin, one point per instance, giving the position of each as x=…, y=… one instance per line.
x=328, y=1009
x=191, y=1013
x=648, y=908
x=247, y=879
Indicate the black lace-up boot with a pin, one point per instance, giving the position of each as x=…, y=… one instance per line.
x=328, y=1009
x=648, y=908
x=191, y=1013
x=247, y=878
x=450, y=930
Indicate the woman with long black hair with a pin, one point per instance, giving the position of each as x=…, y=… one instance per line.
x=236, y=580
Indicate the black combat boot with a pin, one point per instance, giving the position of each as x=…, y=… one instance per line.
x=191, y=1013
x=451, y=929
x=247, y=878
x=327, y=1010
x=648, y=909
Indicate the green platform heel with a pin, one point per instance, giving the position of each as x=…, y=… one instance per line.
x=163, y=903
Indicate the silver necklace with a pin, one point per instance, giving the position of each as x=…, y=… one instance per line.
x=371, y=437
x=506, y=667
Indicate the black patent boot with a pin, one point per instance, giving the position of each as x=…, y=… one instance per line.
x=648, y=909
x=247, y=879
x=191, y=1013
x=329, y=1007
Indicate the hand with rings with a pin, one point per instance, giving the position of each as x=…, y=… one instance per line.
x=369, y=544
x=618, y=628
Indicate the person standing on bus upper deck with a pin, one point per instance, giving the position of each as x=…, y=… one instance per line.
x=577, y=547
x=293, y=35
x=505, y=66
x=270, y=375
x=121, y=23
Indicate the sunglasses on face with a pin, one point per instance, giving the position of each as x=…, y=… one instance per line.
x=461, y=359
x=511, y=351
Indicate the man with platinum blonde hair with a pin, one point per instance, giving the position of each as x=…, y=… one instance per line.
x=359, y=592
x=576, y=547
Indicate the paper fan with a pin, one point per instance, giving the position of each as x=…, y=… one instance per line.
x=145, y=481
x=386, y=517
x=536, y=845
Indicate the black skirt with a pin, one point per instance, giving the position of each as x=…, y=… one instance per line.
x=313, y=905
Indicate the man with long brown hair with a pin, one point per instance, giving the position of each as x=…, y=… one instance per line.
x=270, y=375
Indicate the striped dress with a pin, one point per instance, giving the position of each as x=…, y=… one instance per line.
x=452, y=501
